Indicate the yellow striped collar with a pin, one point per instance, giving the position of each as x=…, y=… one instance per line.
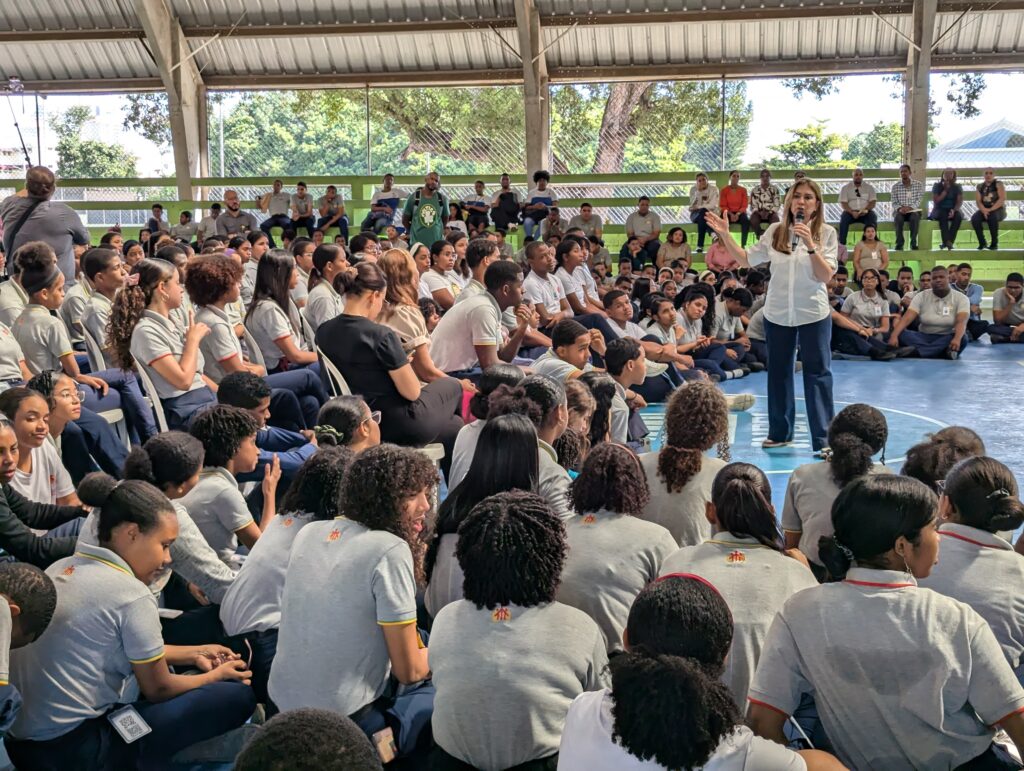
x=735, y=542
x=106, y=556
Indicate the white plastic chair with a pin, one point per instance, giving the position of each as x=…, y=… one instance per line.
x=94, y=351
x=255, y=354
x=334, y=377
x=154, y=400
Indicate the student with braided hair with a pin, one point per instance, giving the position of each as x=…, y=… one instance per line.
x=855, y=436
x=613, y=553
x=508, y=659
x=746, y=561
x=680, y=474
x=981, y=508
x=667, y=707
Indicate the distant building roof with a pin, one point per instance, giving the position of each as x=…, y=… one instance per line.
x=1001, y=144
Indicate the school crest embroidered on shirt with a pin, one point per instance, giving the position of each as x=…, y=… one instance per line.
x=589, y=519
x=736, y=558
x=68, y=571
x=288, y=522
x=501, y=614
x=334, y=535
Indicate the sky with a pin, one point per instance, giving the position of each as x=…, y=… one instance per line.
x=861, y=101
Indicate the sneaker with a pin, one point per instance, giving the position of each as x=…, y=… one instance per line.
x=982, y=245
x=740, y=402
x=756, y=366
x=952, y=355
x=913, y=246
x=904, y=351
x=994, y=246
x=883, y=355
x=771, y=444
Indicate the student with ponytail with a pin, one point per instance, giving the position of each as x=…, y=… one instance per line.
x=929, y=461
x=346, y=421
x=509, y=659
x=466, y=442
x=104, y=648
x=613, y=554
x=855, y=436
x=746, y=562
x=902, y=677
x=667, y=707
x=141, y=331
x=273, y=318
x=323, y=302
x=680, y=474
x=980, y=503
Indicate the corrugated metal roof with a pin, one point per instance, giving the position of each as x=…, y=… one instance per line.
x=67, y=14
x=202, y=13
x=77, y=60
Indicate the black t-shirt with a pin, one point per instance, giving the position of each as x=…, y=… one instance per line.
x=365, y=353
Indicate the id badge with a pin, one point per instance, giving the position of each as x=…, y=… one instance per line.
x=945, y=310
x=129, y=724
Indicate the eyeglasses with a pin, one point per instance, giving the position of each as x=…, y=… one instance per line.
x=374, y=416
x=78, y=395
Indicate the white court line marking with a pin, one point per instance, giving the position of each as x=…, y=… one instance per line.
x=1021, y=363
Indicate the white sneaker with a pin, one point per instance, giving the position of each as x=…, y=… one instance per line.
x=740, y=402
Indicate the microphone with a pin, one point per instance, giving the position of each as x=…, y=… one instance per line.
x=794, y=239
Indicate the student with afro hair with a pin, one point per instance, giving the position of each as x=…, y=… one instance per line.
x=308, y=740
x=508, y=659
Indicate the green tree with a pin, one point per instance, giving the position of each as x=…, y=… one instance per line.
x=881, y=146
x=78, y=157
x=147, y=114
x=818, y=87
x=812, y=147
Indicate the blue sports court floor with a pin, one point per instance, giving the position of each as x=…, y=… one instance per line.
x=982, y=391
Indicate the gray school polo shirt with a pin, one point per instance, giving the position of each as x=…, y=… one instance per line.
x=191, y=556
x=253, y=602
x=6, y=626
x=106, y=620
x=464, y=450
x=864, y=310
x=72, y=306
x=155, y=337
x=1001, y=300
x=611, y=558
x=43, y=338
x=343, y=584
x=903, y=677
x=12, y=301
x=755, y=581
x=681, y=512
x=808, y=506
x=983, y=570
x=95, y=317
x=553, y=481
x=322, y=304
x=10, y=356
x=219, y=510
x=619, y=415
x=445, y=581
x=268, y=323
x=220, y=345
x=505, y=678
x=278, y=204
x=938, y=314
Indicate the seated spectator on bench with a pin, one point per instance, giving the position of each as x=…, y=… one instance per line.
x=347, y=421
x=990, y=198
x=704, y=198
x=539, y=199
x=675, y=249
x=331, y=208
x=858, y=199
x=302, y=251
x=733, y=202
x=869, y=253
x=1008, y=311
x=942, y=314
x=470, y=336
x=961, y=281
x=907, y=195
x=645, y=225
x=764, y=204
x=323, y=302
x=106, y=631
x=370, y=357
x=947, y=198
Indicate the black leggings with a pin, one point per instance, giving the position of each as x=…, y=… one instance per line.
x=435, y=417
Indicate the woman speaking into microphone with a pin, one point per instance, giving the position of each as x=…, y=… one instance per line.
x=802, y=251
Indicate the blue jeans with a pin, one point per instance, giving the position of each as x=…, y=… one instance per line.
x=296, y=398
x=531, y=227
x=1000, y=333
x=341, y=224
x=405, y=709
x=816, y=354
x=180, y=722
x=282, y=221
x=929, y=345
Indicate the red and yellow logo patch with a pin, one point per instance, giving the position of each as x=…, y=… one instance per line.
x=68, y=571
x=501, y=614
x=736, y=558
x=589, y=519
x=288, y=522
x=334, y=535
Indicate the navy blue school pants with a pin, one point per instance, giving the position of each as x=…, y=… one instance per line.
x=815, y=341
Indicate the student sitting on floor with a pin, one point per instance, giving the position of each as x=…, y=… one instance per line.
x=625, y=361
x=569, y=354
x=28, y=599
x=734, y=303
x=273, y=319
x=680, y=474
x=667, y=707
x=508, y=659
x=942, y=314
x=613, y=554
x=746, y=561
x=19, y=515
x=868, y=313
x=347, y=421
x=930, y=461
x=504, y=460
x=39, y=475
x=543, y=401
x=45, y=342
x=469, y=434
x=1008, y=311
x=363, y=567
x=695, y=337
x=228, y=435
x=604, y=391
x=252, y=605
x=141, y=329
x=890, y=631
x=664, y=369
x=855, y=436
x=308, y=740
x=104, y=649
x=978, y=567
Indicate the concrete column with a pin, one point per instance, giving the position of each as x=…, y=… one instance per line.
x=916, y=87
x=535, y=87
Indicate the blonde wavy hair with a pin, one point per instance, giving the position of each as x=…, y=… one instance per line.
x=781, y=239
x=402, y=276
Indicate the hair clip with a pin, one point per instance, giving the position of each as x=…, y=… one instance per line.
x=1002, y=492
x=845, y=550
x=132, y=280
x=329, y=431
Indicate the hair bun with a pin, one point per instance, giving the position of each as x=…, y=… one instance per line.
x=1007, y=513
x=138, y=465
x=96, y=488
